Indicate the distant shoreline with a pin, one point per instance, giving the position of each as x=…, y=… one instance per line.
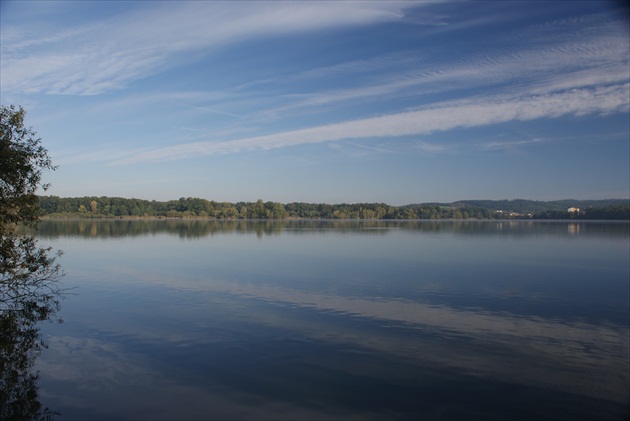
x=202, y=209
x=211, y=219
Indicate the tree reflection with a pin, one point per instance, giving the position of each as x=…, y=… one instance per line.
x=193, y=229
x=29, y=277
x=29, y=294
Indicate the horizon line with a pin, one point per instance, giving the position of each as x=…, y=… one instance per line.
x=344, y=203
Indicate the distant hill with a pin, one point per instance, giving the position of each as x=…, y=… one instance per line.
x=531, y=206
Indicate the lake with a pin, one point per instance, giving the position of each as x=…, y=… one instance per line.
x=447, y=320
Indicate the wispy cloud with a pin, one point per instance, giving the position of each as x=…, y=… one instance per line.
x=442, y=117
x=430, y=147
x=109, y=54
x=569, y=54
x=100, y=154
x=510, y=144
x=564, y=67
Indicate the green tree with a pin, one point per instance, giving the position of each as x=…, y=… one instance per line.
x=22, y=160
x=229, y=212
x=258, y=210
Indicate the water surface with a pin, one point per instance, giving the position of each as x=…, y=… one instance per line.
x=339, y=320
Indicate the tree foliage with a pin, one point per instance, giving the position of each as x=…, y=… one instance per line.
x=22, y=160
x=615, y=212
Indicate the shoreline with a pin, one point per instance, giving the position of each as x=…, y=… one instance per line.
x=292, y=219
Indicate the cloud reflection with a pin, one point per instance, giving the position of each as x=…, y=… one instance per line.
x=561, y=355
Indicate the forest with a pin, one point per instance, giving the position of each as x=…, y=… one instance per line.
x=191, y=207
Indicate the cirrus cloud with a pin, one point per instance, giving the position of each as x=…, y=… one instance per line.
x=441, y=117
x=107, y=55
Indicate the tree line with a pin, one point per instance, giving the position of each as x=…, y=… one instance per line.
x=619, y=212
x=525, y=206
x=192, y=207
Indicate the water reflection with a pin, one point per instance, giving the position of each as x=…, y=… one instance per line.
x=559, y=354
x=29, y=295
x=113, y=228
x=363, y=320
x=574, y=228
x=20, y=345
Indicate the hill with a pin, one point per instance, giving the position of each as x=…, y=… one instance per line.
x=531, y=206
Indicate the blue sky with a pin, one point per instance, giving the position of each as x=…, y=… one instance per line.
x=349, y=101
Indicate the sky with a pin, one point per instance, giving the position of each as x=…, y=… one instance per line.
x=329, y=101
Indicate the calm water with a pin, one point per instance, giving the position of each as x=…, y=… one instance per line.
x=326, y=320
